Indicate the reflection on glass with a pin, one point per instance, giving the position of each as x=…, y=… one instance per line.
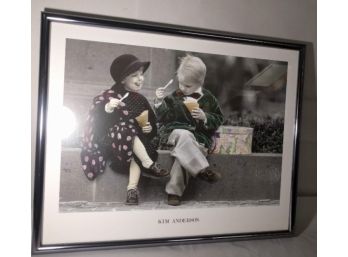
x=67, y=121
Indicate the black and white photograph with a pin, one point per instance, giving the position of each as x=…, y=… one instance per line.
x=111, y=160
x=179, y=132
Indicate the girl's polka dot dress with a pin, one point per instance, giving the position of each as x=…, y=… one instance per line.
x=109, y=136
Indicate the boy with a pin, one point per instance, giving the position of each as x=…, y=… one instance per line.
x=189, y=132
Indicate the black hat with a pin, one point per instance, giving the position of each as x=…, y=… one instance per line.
x=125, y=65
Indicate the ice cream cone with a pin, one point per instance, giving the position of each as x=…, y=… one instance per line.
x=143, y=118
x=190, y=105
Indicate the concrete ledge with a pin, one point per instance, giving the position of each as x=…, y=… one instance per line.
x=244, y=177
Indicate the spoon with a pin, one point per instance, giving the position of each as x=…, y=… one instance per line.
x=169, y=82
x=125, y=96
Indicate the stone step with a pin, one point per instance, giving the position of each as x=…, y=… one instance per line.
x=244, y=178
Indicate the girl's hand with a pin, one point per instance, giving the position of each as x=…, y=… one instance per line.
x=112, y=104
x=147, y=129
x=198, y=114
x=115, y=103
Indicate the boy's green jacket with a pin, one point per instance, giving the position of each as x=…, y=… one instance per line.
x=173, y=114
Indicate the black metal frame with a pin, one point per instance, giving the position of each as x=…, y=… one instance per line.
x=49, y=16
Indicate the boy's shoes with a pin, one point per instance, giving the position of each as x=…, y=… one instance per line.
x=132, y=197
x=209, y=176
x=174, y=200
x=155, y=171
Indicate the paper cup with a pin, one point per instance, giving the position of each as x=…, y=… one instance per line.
x=190, y=105
x=143, y=118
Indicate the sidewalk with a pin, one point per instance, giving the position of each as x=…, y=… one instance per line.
x=84, y=206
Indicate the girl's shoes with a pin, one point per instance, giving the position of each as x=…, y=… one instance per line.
x=155, y=171
x=132, y=197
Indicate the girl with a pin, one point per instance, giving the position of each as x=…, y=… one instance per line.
x=112, y=132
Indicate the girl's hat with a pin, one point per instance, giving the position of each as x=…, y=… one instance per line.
x=125, y=65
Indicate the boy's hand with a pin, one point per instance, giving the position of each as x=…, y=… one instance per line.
x=147, y=129
x=160, y=93
x=198, y=114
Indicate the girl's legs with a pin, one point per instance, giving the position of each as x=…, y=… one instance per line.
x=134, y=175
x=132, y=191
x=152, y=168
x=140, y=151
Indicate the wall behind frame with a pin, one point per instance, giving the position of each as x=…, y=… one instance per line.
x=287, y=19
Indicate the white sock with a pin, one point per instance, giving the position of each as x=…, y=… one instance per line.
x=134, y=175
x=140, y=151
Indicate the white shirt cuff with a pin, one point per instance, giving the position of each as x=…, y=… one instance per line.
x=158, y=104
x=108, y=109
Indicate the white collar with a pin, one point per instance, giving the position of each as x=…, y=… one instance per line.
x=199, y=91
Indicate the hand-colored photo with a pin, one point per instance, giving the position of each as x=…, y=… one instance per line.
x=150, y=128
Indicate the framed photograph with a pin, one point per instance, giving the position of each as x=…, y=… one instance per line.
x=151, y=134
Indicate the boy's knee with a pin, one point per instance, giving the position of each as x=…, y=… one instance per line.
x=180, y=135
x=183, y=133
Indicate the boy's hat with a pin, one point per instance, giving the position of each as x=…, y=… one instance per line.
x=125, y=65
